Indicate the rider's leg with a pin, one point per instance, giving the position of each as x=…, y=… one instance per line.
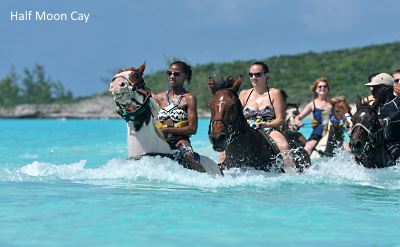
x=311, y=143
x=221, y=157
x=346, y=146
x=283, y=147
x=187, y=156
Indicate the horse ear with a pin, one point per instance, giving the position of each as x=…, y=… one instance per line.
x=211, y=84
x=237, y=83
x=142, y=67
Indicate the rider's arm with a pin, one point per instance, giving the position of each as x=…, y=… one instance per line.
x=307, y=110
x=191, y=128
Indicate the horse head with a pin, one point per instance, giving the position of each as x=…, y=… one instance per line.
x=363, y=134
x=341, y=112
x=226, y=112
x=132, y=97
x=292, y=110
x=125, y=83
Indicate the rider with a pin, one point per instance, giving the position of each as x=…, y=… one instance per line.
x=389, y=113
x=264, y=107
x=371, y=98
x=177, y=119
x=381, y=90
x=321, y=108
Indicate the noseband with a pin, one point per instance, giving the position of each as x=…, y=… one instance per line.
x=126, y=111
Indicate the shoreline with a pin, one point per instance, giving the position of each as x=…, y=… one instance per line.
x=98, y=107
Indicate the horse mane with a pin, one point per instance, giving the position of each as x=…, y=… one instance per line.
x=224, y=83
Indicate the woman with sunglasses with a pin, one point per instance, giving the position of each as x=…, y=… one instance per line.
x=321, y=108
x=177, y=119
x=264, y=108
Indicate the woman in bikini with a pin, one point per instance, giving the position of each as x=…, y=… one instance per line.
x=177, y=119
x=264, y=108
x=321, y=108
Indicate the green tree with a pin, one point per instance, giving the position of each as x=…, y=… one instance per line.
x=37, y=88
x=9, y=89
x=60, y=94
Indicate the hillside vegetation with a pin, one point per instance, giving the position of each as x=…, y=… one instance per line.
x=347, y=71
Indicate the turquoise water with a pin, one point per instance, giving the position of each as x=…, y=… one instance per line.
x=67, y=183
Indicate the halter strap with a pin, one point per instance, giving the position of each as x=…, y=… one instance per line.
x=248, y=97
x=269, y=96
x=179, y=99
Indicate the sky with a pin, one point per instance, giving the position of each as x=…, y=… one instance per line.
x=124, y=33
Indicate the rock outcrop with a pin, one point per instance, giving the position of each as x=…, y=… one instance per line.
x=95, y=107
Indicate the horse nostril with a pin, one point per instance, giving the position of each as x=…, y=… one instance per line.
x=221, y=137
x=357, y=144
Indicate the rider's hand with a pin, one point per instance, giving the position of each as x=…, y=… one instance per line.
x=298, y=123
x=384, y=122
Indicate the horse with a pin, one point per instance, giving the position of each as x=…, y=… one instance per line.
x=339, y=123
x=139, y=109
x=290, y=129
x=229, y=131
x=367, y=138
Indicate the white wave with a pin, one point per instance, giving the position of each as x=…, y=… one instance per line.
x=162, y=173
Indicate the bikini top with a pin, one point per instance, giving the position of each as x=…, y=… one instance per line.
x=265, y=114
x=171, y=111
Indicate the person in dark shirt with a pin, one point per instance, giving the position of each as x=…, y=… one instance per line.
x=389, y=114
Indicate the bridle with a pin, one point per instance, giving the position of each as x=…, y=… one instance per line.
x=372, y=141
x=126, y=111
x=233, y=128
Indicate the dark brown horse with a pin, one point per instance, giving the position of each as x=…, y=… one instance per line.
x=230, y=132
x=367, y=138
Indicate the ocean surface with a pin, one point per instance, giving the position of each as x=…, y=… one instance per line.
x=68, y=183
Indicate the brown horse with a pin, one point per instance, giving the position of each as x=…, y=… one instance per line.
x=230, y=132
x=367, y=138
x=137, y=107
x=340, y=123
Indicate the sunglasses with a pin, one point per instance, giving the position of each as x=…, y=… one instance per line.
x=176, y=74
x=258, y=74
x=324, y=86
x=396, y=81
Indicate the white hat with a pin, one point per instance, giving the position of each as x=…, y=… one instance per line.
x=381, y=79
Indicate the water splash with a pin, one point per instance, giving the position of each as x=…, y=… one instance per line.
x=338, y=170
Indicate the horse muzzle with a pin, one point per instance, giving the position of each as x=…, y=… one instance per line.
x=121, y=92
x=218, y=141
x=356, y=146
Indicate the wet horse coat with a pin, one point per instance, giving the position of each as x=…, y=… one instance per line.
x=367, y=138
x=230, y=132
